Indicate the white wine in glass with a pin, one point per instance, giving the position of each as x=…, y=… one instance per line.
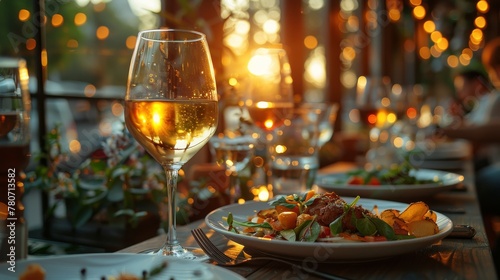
x=171, y=108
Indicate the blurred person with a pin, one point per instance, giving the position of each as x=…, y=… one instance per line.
x=482, y=127
x=470, y=85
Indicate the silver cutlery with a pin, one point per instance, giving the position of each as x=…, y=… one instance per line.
x=223, y=260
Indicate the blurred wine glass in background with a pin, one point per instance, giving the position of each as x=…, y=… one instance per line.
x=377, y=112
x=269, y=96
x=327, y=115
x=15, y=106
x=269, y=99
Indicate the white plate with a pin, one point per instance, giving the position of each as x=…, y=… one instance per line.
x=68, y=267
x=335, y=182
x=320, y=251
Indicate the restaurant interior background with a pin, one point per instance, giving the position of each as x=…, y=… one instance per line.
x=78, y=53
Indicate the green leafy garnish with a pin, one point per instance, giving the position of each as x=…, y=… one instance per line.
x=336, y=226
x=289, y=234
x=231, y=222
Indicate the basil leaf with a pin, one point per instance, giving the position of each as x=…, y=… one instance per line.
x=282, y=201
x=230, y=223
x=383, y=228
x=310, y=233
x=336, y=226
x=289, y=234
x=310, y=201
x=366, y=227
x=302, y=226
x=252, y=224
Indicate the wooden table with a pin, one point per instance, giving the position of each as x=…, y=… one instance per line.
x=447, y=259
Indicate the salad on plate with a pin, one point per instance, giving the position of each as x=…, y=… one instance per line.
x=314, y=217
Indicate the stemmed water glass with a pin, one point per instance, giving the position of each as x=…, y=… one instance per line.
x=171, y=108
x=327, y=115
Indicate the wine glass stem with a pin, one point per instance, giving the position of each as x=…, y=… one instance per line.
x=234, y=187
x=172, y=246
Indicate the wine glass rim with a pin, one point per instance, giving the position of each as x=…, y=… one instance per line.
x=201, y=36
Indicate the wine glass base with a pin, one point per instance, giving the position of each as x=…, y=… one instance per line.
x=189, y=253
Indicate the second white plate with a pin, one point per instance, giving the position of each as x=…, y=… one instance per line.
x=447, y=180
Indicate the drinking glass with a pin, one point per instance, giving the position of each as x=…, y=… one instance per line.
x=269, y=99
x=171, y=108
x=233, y=152
x=294, y=152
x=327, y=115
x=15, y=106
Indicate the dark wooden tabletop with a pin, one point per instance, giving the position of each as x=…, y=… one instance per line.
x=451, y=258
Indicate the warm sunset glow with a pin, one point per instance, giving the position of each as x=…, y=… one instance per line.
x=442, y=44
x=57, y=20
x=30, y=44
x=74, y=146
x=398, y=142
x=265, y=64
x=482, y=6
x=435, y=36
x=24, y=15
x=452, y=61
x=372, y=118
x=419, y=12
x=156, y=118
x=263, y=194
x=411, y=113
x=424, y=53
x=349, y=53
x=476, y=35
x=43, y=58
x=429, y=26
x=80, y=19
x=310, y=42
x=394, y=15
x=102, y=32
x=130, y=42
x=480, y=22
x=416, y=2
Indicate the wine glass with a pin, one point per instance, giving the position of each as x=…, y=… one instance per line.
x=269, y=98
x=15, y=106
x=377, y=115
x=171, y=108
x=327, y=115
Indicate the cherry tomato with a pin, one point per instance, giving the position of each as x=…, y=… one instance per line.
x=288, y=219
x=374, y=181
x=355, y=180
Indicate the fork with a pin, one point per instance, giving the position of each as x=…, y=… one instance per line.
x=223, y=260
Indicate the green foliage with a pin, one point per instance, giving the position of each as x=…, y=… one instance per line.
x=118, y=181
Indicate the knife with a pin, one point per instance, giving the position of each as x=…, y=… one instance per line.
x=462, y=231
